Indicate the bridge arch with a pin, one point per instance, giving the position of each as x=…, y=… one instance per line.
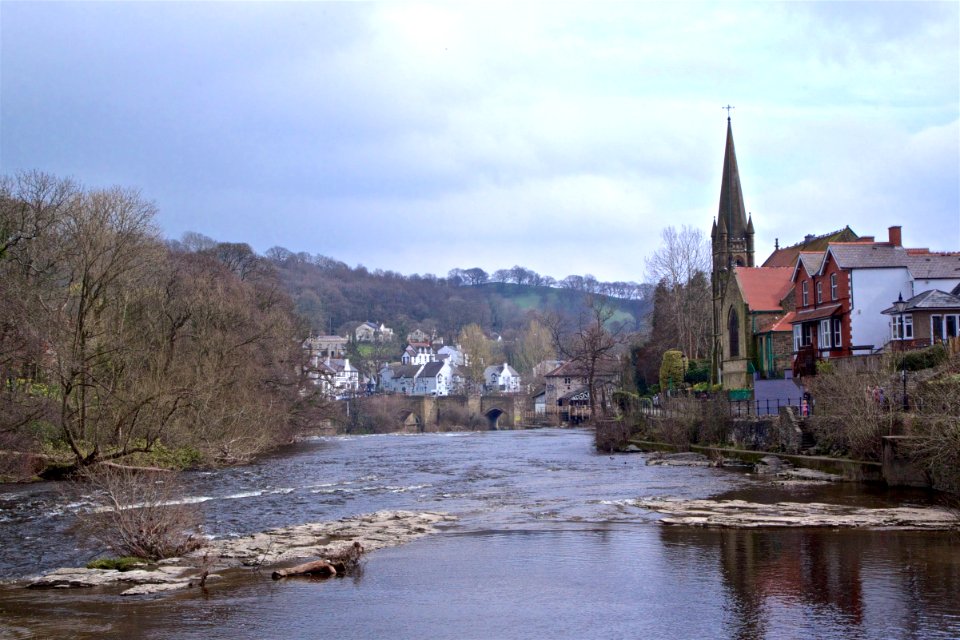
x=493, y=418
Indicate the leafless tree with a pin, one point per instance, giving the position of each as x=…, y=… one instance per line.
x=681, y=265
x=593, y=344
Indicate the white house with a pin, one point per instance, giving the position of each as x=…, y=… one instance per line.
x=502, y=377
x=334, y=376
x=370, y=332
x=434, y=379
x=399, y=378
x=453, y=355
x=418, y=353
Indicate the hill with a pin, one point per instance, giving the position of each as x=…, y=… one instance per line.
x=334, y=297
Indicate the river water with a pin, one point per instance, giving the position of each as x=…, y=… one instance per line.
x=547, y=545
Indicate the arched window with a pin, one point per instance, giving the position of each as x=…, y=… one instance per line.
x=733, y=326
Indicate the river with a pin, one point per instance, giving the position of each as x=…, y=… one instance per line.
x=547, y=545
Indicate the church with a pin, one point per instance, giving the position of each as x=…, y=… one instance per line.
x=752, y=305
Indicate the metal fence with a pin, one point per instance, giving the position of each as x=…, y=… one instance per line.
x=680, y=407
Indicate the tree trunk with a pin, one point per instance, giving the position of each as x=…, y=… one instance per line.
x=315, y=568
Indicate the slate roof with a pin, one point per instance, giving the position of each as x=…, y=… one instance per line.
x=811, y=261
x=928, y=301
x=764, y=287
x=931, y=266
x=863, y=255
x=575, y=369
x=406, y=371
x=787, y=256
x=431, y=369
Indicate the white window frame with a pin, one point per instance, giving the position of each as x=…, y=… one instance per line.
x=819, y=292
x=833, y=286
x=826, y=330
x=797, y=337
x=805, y=292
x=901, y=327
x=837, y=333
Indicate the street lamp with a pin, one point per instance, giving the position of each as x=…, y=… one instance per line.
x=899, y=306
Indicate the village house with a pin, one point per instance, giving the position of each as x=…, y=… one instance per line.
x=418, y=353
x=501, y=377
x=844, y=294
x=326, y=346
x=431, y=379
x=335, y=376
x=454, y=355
x=564, y=383
x=370, y=332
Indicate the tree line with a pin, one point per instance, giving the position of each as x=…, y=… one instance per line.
x=334, y=297
x=116, y=346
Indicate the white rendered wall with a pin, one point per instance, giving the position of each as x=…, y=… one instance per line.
x=873, y=291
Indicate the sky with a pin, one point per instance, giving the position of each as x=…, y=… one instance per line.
x=559, y=136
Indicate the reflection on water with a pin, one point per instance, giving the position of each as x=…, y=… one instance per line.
x=548, y=545
x=842, y=583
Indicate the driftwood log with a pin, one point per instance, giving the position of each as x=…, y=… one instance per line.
x=315, y=568
x=341, y=563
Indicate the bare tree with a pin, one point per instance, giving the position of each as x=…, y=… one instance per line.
x=592, y=344
x=680, y=266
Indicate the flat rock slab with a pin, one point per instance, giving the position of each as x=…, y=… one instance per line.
x=745, y=515
x=373, y=531
x=682, y=459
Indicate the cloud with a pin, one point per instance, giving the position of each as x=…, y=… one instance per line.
x=563, y=137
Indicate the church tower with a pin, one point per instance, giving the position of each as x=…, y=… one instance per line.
x=732, y=243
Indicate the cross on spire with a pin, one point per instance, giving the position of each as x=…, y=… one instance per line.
x=728, y=107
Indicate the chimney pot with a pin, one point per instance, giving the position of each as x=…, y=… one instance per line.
x=896, y=237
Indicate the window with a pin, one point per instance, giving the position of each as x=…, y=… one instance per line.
x=804, y=289
x=837, y=333
x=819, y=292
x=901, y=327
x=833, y=286
x=797, y=337
x=733, y=331
x=952, y=323
x=825, y=333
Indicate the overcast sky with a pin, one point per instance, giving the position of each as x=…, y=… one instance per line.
x=562, y=137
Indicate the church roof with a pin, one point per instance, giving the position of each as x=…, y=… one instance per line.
x=787, y=256
x=764, y=287
x=732, y=215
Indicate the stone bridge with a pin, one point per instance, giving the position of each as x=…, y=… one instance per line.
x=428, y=413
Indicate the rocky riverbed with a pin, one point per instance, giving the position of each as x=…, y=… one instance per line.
x=742, y=514
x=273, y=548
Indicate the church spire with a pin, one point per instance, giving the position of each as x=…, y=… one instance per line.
x=732, y=212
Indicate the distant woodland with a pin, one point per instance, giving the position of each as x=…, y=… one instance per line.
x=334, y=297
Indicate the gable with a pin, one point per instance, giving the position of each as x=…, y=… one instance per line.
x=762, y=288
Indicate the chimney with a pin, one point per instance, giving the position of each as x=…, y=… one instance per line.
x=807, y=239
x=896, y=239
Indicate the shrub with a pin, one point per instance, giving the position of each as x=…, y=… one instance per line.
x=141, y=513
x=922, y=358
x=671, y=370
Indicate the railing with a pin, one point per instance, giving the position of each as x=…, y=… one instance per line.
x=680, y=407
